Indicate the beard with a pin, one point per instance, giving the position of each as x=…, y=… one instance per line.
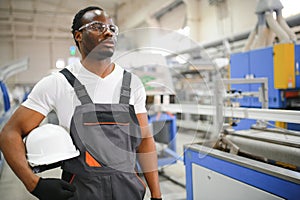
x=100, y=52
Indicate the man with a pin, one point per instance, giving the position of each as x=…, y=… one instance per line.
x=97, y=173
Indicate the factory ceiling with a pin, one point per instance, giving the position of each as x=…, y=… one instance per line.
x=53, y=18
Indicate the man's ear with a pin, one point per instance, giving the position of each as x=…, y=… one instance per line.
x=78, y=36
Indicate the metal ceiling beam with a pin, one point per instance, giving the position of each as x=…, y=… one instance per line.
x=292, y=21
x=143, y=9
x=167, y=9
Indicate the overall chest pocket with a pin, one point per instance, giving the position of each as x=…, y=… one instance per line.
x=106, y=136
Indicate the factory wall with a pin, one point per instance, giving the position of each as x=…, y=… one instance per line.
x=227, y=19
x=175, y=19
x=42, y=54
x=209, y=22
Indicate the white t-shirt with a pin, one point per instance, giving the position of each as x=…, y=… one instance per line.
x=54, y=92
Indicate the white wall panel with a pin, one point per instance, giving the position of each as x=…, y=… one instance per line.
x=242, y=15
x=239, y=17
x=38, y=52
x=42, y=57
x=6, y=51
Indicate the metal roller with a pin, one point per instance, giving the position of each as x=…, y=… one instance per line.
x=276, y=151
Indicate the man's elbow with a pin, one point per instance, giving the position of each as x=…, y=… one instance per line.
x=7, y=136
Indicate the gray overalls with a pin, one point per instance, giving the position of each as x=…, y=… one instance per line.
x=107, y=136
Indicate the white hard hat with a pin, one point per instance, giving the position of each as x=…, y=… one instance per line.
x=48, y=144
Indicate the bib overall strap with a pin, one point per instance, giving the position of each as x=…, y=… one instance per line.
x=80, y=90
x=125, y=89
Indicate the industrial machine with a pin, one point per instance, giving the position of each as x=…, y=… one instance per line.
x=257, y=163
x=271, y=52
x=280, y=65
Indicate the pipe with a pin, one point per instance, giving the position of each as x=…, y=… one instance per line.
x=13, y=68
x=261, y=37
x=250, y=39
x=273, y=24
x=270, y=37
x=267, y=149
x=285, y=26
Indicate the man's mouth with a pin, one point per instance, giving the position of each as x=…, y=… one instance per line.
x=107, y=42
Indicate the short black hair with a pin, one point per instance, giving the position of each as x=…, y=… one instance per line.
x=77, y=22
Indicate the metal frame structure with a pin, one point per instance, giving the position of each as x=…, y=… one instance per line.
x=251, y=113
x=263, y=92
x=7, y=71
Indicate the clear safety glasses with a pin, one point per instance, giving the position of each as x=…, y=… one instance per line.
x=100, y=27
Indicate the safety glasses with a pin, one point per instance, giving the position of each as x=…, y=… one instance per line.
x=100, y=28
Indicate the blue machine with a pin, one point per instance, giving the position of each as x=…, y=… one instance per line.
x=1, y=163
x=213, y=174
x=5, y=96
x=164, y=130
x=297, y=65
x=244, y=124
x=260, y=63
x=256, y=64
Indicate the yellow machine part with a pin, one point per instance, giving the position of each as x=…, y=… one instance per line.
x=284, y=66
x=281, y=124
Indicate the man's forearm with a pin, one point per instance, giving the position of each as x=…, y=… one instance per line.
x=148, y=161
x=147, y=156
x=153, y=183
x=13, y=149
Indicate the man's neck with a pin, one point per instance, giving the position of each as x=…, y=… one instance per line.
x=101, y=68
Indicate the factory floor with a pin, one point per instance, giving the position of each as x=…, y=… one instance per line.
x=172, y=178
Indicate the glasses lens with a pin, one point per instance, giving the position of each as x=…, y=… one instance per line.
x=101, y=27
x=114, y=29
x=93, y=27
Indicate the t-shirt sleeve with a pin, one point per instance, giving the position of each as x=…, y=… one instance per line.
x=139, y=94
x=42, y=96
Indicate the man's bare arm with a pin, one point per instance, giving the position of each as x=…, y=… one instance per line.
x=147, y=156
x=12, y=146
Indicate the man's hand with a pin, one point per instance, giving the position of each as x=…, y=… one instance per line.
x=51, y=188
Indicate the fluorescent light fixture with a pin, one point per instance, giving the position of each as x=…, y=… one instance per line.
x=60, y=63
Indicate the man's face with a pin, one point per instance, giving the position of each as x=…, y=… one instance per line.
x=98, y=35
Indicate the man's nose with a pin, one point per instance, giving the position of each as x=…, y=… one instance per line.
x=107, y=33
